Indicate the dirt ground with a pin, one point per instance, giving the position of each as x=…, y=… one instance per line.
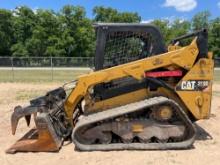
x=206, y=149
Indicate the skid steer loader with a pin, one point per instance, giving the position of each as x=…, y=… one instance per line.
x=141, y=95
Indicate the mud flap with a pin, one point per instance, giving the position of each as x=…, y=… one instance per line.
x=43, y=138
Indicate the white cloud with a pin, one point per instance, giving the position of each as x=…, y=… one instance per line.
x=218, y=4
x=181, y=5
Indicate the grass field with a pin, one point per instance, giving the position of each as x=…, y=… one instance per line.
x=217, y=76
x=39, y=75
x=55, y=76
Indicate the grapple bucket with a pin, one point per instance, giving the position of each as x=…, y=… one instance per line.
x=51, y=127
x=42, y=138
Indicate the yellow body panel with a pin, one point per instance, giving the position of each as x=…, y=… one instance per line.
x=199, y=102
x=181, y=58
x=92, y=106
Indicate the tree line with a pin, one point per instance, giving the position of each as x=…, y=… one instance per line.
x=69, y=33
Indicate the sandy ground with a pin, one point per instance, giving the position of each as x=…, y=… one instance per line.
x=206, y=149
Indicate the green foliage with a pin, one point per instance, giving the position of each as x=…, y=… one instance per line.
x=201, y=20
x=172, y=30
x=6, y=30
x=19, y=50
x=69, y=32
x=77, y=35
x=163, y=26
x=109, y=14
x=214, y=39
x=24, y=21
x=180, y=27
x=46, y=33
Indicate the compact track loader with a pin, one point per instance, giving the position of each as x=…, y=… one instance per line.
x=141, y=95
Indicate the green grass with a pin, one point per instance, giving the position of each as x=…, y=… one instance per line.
x=216, y=93
x=26, y=95
x=39, y=75
x=58, y=75
x=217, y=76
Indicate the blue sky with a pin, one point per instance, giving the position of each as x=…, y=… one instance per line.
x=148, y=9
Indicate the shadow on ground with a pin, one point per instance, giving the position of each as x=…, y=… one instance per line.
x=202, y=134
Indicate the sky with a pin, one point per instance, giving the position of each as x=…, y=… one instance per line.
x=147, y=9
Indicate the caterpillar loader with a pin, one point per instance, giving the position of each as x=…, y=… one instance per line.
x=141, y=95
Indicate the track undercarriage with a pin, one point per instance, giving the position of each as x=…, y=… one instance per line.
x=134, y=126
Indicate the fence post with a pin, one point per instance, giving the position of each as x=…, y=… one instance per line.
x=51, y=64
x=12, y=68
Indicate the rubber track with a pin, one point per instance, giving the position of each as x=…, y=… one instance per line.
x=130, y=108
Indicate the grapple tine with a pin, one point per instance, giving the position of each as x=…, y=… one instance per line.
x=20, y=112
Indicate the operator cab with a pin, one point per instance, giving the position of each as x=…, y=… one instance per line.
x=119, y=43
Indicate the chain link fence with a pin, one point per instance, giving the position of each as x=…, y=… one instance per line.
x=37, y=69
x=43, y=68
x=217, y=62
x=46, y=62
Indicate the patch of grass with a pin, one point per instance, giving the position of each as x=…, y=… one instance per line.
x=28, y=95
x=217, y=76
x=216, y=93
x=39, y=75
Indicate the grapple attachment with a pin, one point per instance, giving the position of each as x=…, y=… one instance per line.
x=51, y=126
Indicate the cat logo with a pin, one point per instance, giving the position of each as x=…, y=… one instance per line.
x=192, y=85
x=188, y=85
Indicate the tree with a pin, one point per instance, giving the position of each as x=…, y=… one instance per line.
x=19, y=50
x=78, y=36
x=109, y=14
x=6, y=32
x=70, y=33
x=24, y=21
x=179, y=28
x=46, y=27
x=163, y=26
x=214, y=36
x=201, y=20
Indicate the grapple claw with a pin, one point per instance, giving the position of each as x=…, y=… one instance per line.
x=20, y=112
